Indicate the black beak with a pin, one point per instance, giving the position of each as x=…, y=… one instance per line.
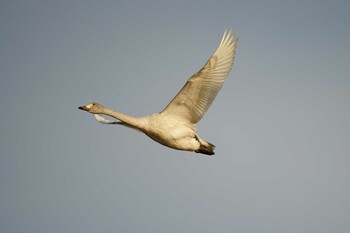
x=83, y=108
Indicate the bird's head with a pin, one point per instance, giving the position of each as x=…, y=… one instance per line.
x=94, y=108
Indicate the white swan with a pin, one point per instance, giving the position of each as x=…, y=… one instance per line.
x=175, y=126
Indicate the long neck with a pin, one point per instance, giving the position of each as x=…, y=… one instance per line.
x=128, y=120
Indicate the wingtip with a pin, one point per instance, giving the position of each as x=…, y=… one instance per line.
x=229, y=37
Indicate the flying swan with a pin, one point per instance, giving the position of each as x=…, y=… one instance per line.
x=175, y=126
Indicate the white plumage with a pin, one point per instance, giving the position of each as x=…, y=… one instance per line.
x=175, y=126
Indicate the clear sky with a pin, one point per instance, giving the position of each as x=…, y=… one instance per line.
x=280, y=123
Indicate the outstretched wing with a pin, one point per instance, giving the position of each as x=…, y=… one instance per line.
x=200, y=90
x=103, y=120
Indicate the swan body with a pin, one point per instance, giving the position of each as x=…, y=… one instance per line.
x=175, y=126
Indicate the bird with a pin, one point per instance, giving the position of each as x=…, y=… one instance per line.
x=175, y=125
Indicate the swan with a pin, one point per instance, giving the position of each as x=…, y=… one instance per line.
x=175, y=126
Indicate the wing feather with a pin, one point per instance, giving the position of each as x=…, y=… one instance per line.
x=200, y=90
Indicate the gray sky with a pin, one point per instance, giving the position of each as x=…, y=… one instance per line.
x=280, y=123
